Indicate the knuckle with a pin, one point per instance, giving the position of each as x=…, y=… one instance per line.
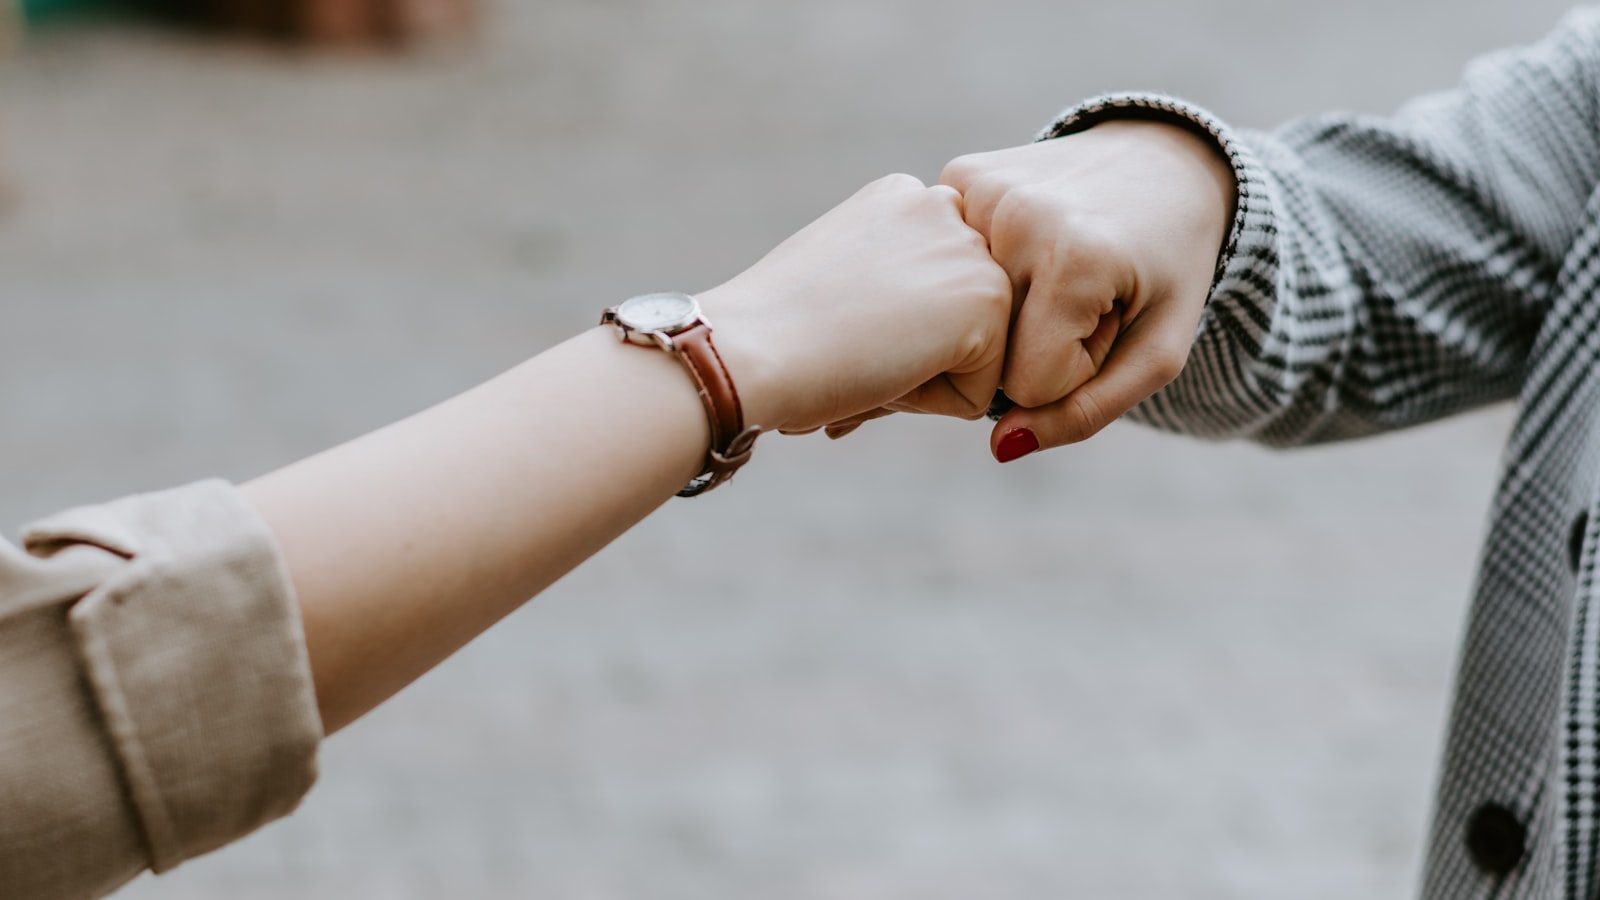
x=899, y=181
x=942, y=204
x=1081, y=249
x=1035, y=201
x=1022, y=211
x=962, y=170
x=972, y=247
x=1076, y=249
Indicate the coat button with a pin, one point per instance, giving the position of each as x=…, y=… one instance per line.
x=1496, y=840
x=1580, y=530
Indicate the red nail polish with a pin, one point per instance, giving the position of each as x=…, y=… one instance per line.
x=1016, y=444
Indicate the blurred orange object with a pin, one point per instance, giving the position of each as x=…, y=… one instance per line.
x=335, y=21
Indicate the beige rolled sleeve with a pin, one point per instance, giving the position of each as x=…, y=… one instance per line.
x=155, y=697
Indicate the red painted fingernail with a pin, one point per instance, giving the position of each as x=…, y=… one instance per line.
x=1016, y=444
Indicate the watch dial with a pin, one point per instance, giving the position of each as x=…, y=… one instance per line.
x=657, y=312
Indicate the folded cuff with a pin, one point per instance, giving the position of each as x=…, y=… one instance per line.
x=195, y=657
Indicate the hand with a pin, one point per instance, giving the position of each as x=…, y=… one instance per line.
x=887, y=295
x=1110, y=238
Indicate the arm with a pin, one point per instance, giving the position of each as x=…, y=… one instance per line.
x=406, y=543
x=1377, y=273
x=171, y=661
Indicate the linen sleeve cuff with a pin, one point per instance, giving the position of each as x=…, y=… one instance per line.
x=194, y=654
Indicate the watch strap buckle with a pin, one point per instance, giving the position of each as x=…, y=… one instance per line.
x=721, y=464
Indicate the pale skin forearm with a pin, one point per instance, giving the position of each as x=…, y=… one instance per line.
x=405, y=544
x=408, y=542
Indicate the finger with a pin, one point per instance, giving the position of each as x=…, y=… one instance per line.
x=962, y=171
x=1146, y=358
x=898, y=182
x=940, y=396
x=964, y=392
x=857, y=419
x=841, y=428
x=949, y=195
x=1057, y=346
x=902, y=406
x=980, y=194
x=967, y=390
x=983, y=208
x=1069, y=316
x=1099, y=343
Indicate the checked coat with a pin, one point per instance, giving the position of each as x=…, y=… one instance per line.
x=1384, y=272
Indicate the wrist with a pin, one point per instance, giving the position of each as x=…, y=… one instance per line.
x=674, y=323
x=651, y=380
x=755, y=370
x=1193, y=158
x=1225, y=160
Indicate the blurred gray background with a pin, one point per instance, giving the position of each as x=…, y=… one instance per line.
x=1142, y=667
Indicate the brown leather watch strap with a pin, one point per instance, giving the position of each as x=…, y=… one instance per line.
x=731, y=441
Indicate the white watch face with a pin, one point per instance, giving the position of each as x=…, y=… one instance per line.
x=666, y=312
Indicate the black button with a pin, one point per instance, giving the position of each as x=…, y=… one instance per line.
x=1495, y=839
x=1580, y=530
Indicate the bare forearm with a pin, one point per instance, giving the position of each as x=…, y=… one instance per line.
x=406, y=543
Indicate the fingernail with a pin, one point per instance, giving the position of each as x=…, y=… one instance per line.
x=1016, y=444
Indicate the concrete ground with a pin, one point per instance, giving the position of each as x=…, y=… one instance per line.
x=1142, y=667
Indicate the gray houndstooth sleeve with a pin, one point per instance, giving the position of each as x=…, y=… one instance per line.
x=1386, y=271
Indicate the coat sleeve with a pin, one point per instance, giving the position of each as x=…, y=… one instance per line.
x=1383, y=272
x=155, y=696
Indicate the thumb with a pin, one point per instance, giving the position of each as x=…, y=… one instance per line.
x=1025, y=430
x=1145, y=361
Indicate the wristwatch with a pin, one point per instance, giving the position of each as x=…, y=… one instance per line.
x=672, y=321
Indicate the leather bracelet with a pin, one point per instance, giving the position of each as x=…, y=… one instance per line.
x=731, y=441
